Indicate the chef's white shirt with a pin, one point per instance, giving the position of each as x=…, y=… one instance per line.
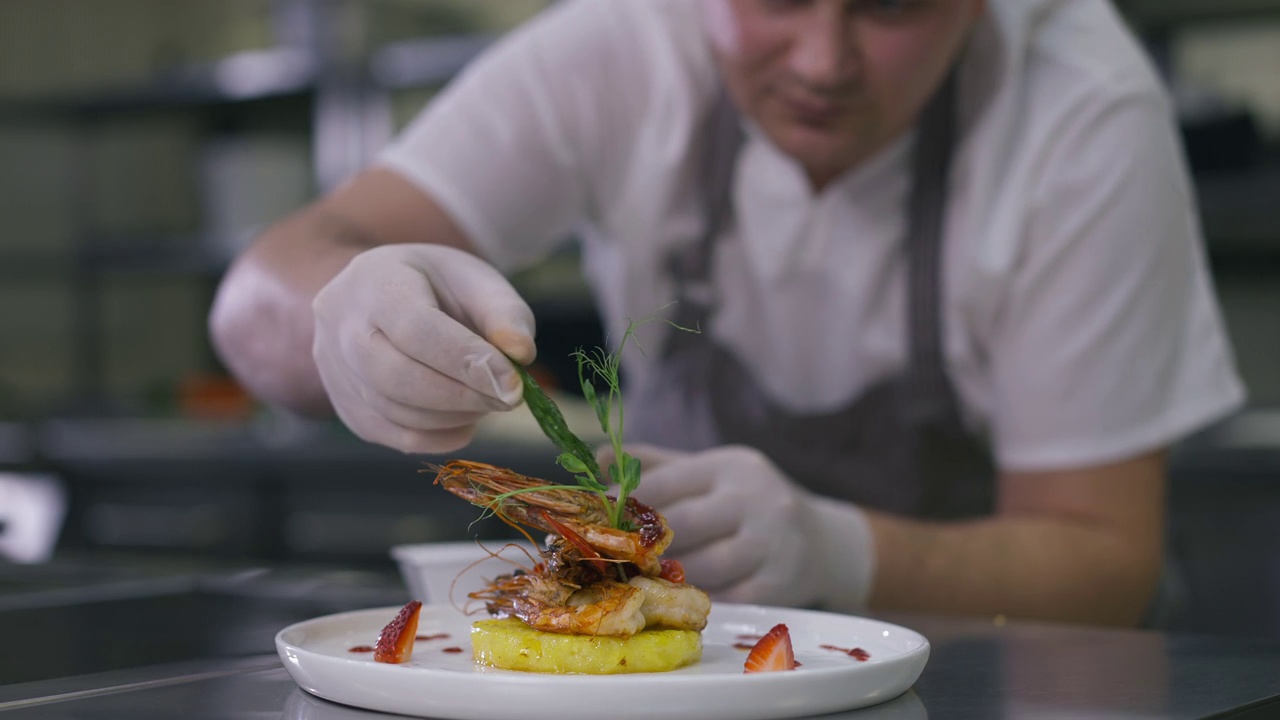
x=1081, y=324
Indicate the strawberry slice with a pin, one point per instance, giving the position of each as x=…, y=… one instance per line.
x=395, y=642
x=772, y=653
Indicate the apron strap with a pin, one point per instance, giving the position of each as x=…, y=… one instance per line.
x=928, y=394
x=901, y=444
x=690, y=267
x=727, y=139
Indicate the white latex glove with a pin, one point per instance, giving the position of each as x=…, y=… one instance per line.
x=409, y=342
x=746, y=533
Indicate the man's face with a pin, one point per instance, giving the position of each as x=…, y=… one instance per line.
x=833, y=81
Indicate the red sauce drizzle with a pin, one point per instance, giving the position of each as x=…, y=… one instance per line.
x=437, y=636
x=856, y=653
x=452, y=650
x=651, y=530
x=361, y=648
x=672, y=570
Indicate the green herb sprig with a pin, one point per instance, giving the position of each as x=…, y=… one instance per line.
x=606, y=368
x=596, y=366
x=553, y=425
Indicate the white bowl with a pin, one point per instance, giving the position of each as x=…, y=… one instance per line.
x=446, y=572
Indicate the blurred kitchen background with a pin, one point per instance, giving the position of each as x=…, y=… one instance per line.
x=143, y=142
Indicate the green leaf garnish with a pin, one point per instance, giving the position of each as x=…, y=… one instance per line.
x=552, y=422
x=599, y=374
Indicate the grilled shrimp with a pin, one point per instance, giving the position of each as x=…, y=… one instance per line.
x=579, y=517
x=545, y=603
x=504, y=594
x=572, y=588
x=601, y=608
x=676, y=606
x=605, y=608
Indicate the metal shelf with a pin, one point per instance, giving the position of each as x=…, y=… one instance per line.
x=348, y=99
x=148, y=256
x=424, y=63
x=153, y=255
x=261, y=75
x=35, y=265
x=245, y=76
x=1240, y=211
x=1150, y=15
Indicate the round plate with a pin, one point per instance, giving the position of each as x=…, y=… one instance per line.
x=440, y=684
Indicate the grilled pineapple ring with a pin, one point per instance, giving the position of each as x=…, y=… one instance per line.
x=511, y=645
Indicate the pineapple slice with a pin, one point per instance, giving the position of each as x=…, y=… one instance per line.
x=511, y=645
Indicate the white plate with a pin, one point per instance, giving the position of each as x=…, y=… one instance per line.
x=437, y=684
x=301, y=705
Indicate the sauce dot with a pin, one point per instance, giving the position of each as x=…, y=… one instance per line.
x=856, y=653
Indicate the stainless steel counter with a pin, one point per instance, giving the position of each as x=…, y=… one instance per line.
x=76, y=619
x=977, y=670
x=90, y=641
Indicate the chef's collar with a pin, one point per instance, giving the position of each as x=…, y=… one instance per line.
x=886, y=163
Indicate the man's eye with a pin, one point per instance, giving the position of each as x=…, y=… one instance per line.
x=890, y=7
x=778, y=6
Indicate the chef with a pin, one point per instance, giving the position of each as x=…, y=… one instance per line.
x=943, y=255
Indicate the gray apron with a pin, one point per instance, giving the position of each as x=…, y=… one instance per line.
x=901, y=446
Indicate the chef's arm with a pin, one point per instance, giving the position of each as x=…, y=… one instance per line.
x=1081, y=545
x=262, y=323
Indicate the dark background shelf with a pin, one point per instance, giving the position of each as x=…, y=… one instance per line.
x=148, y=483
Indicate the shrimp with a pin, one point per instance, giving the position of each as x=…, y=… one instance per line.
x=605, y=608
x=520, y=592
x=545, y=603
x=572, y=589
x=676, y=606
x=579, y=517
x=601, y=608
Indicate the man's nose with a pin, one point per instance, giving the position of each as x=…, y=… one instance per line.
x=823, y=53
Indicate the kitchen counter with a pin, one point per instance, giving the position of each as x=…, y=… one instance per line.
x=127, y=640
x=90, y=616
x=978, y=669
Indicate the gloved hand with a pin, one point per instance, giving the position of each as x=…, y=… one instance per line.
x=746, y=533
x=409, y=342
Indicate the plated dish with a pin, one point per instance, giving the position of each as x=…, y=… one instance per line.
x=594, y=621
x=596, y=598
x=441, y=680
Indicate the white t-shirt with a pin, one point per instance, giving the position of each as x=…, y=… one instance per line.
x=1081, y=322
